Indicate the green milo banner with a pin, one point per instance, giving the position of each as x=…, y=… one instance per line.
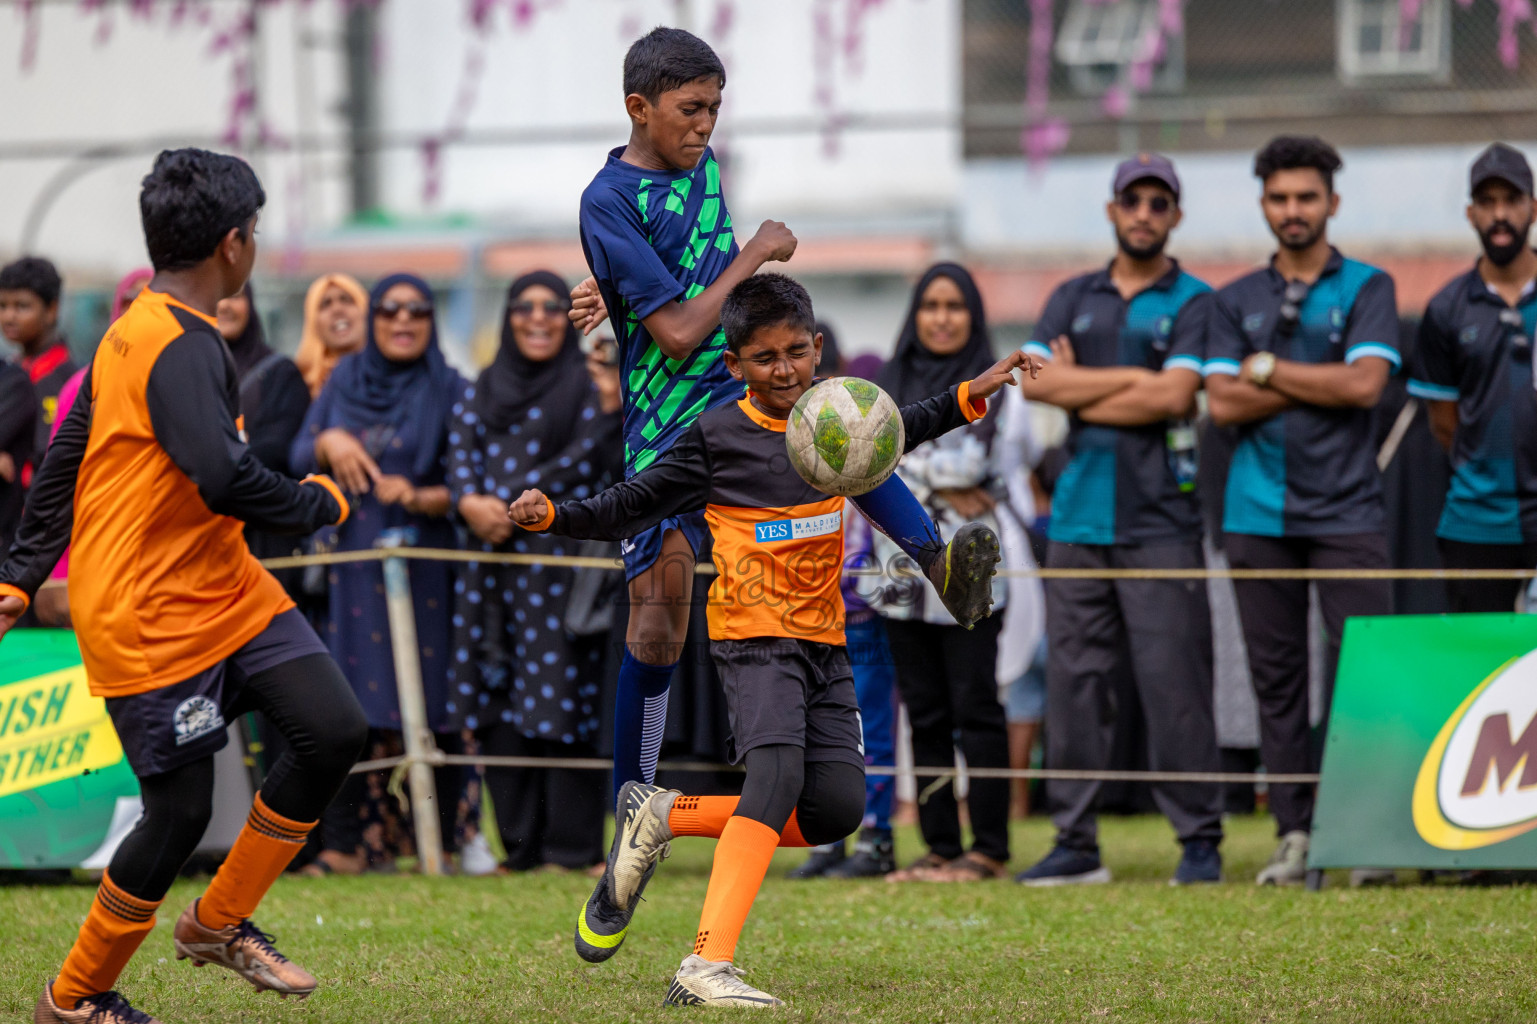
x=61, y=769
x=1431, y=758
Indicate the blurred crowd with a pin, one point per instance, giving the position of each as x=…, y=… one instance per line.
x=1141, y=446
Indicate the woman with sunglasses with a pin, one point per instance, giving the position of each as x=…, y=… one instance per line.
x=541, y=415
x=380, y=426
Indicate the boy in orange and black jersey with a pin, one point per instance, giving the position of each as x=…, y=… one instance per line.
x=180, y=628
x=776, y=631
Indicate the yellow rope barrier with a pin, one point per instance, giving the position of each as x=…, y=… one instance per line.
x=437, y=758
x=704, y=568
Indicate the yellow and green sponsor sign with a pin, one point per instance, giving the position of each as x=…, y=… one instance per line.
x=61, y=768
x=1431, y=759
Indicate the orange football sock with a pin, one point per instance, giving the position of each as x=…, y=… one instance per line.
x=707, y=816
x=113, y=929
x=261, y=852
x=741, y=860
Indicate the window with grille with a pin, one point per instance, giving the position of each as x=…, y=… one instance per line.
x=1376, y=42
x=1100, y=39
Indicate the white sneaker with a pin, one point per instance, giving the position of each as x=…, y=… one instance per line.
x=641, y=836
x=1362, y=877
x=476, y=858
x=701, y=982
x=1289, y=864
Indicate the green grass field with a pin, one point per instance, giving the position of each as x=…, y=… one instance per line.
x=406, y=948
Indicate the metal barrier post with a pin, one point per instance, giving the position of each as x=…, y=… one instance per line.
x=421, y=751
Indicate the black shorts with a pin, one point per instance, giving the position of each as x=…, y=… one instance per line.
x=796, y=692
x=175, y=725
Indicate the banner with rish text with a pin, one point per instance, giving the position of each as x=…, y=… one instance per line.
x=1431, y=757
x=61, y=769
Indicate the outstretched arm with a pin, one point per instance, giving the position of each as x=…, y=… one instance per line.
x=965, y=403
x=677, y=482
x=193, y=423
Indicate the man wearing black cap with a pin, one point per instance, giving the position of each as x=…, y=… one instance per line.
x=1124, y=349
x=1473, y=368
x=1297, y=356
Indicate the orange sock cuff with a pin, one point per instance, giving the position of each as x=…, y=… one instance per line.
x=114, y=927
x=741, y=860
x=261, y=852
x=701, y=815
x=274, y=826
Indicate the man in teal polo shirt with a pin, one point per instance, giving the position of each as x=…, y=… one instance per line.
x=1124, y=348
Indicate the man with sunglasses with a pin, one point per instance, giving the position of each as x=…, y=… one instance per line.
x=1297, y=356
x=1473, y=369
x=1124, y=348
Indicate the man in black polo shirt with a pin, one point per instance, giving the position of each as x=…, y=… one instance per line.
x=1124, y=348
x=1297, y=356
x=1473, y=368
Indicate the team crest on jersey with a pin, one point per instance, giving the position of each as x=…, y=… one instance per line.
x=1253, y=322
x=1161, y=331
x=1337, y=318
x=1082, y=322
x=196, y=717
x=1469, y=334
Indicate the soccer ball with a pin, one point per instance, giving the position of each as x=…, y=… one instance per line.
x=845, y=436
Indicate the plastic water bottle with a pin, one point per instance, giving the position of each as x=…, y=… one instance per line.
x=1183, y=456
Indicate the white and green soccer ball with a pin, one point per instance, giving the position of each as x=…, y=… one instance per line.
x=845, y=436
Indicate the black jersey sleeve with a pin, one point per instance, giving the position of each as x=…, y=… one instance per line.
x=190, y=404
x=928, y=419
x=49, y=516
x=678, y=482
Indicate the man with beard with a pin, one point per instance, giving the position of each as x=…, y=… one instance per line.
x=1124, y=349
x=1297, y=356
x=1473, y=368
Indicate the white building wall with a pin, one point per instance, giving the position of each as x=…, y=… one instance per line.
x=562, y=73
x=145, y=81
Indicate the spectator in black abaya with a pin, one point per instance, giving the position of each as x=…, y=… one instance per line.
x=541, y=415
x=273, y=401
x=946, y=674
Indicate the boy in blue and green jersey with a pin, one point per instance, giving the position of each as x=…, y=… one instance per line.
x=659, y=240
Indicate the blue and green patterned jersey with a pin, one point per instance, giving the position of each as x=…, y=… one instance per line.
x=654, y=237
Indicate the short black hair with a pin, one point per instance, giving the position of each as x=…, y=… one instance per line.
x=1288, y=152
x=33, y=274
x=191, y=200
x=668, y=58
x=765, y=300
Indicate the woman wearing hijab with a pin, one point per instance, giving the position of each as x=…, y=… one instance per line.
x=335, y=315
x=520, y=680
x=380, y=428
x=946, y=674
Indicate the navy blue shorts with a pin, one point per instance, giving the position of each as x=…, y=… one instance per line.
x=175, y=725
x=641, y=551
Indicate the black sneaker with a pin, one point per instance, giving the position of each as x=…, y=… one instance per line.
x=875, y=855
x=640, y=843
x=823, y=859
x=1202, y=863
x=1066, y=866
x=963, y=573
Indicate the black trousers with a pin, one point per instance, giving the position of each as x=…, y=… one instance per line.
x=545, y=815
x=1485, y=595
x=1159, y=633
x=313, y=706
x=947, y=678
x=1274, y=614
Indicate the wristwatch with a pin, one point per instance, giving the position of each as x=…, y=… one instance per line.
x=1260, y=369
